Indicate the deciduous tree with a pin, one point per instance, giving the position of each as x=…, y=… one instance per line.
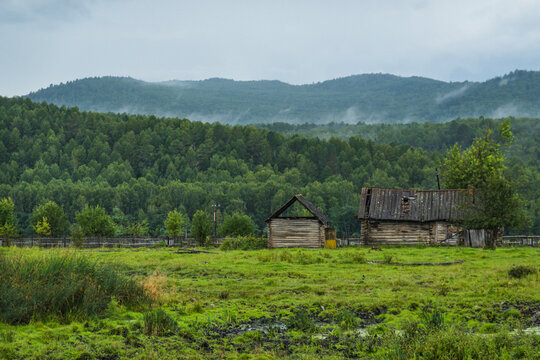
x=493, y=202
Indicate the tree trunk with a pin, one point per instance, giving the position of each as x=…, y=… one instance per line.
x=491, y=238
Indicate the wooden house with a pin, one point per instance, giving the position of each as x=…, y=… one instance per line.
x=298, y=231
x=401, y=216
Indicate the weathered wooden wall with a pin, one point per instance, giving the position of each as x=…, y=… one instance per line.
x=403, y=232
x=308, y=233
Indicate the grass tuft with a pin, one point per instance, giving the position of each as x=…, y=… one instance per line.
x=521, y=271
x=158, y=323
x=60, y=283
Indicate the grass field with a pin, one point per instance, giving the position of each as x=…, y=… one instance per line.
x=297, y=303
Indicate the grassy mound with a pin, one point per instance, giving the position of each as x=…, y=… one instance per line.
x=60, y=283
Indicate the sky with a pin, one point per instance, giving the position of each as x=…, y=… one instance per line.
x=45, y=42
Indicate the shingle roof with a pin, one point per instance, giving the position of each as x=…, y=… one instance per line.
x=307, y=204
x=420, y=205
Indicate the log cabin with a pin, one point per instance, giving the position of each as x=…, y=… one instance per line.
x=298, y=231
x=405, y=216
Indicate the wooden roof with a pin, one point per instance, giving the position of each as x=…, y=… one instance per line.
x=307, y=204
x=411, y=205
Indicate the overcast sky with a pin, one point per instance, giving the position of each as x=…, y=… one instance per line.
x=46, y=42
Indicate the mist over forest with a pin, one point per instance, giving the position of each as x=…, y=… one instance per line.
x=367, y=98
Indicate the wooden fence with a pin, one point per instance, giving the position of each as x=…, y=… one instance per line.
x=133, y=242
x=108, y=242
x=521, y=240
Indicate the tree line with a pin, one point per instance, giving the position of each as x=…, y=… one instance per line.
x=139, y=168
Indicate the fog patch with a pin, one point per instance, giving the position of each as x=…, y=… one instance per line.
x=505, y=81
x=507, y=110
x=451, y=95
x=229, y=118
x=353, y=115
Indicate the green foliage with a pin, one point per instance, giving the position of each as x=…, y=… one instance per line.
x=201, y=226
x=60, y=284
x=8, y=223
x=237, y=225
x=480, y=163
x=138, y=229
x=244, y=243
x=77, y=235
x=159, y=323
x=130, y=165
x=353, y=98
x=55, y=218
x=521, y=271
x=42, y=227
x=494, y=202
x=94, y=221
x=174, y=223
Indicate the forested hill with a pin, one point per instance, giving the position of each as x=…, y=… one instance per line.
x=373, y=98
x=141, y=167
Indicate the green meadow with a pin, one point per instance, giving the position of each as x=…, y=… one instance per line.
x=359, y=302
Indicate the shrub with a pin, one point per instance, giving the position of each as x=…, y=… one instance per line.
x=94, y=221
x=77, y=236
x=201, y=226
x=244, y=243
x=237, y=225
x=60, y=283
x=521, y=271
x=52, y=214
x=157, y=322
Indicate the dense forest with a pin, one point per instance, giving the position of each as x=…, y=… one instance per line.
x=374, y=98
x=141, y=167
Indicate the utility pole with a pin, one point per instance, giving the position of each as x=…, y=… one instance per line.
x=215, y=206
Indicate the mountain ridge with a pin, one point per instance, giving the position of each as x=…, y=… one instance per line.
x=370, y=98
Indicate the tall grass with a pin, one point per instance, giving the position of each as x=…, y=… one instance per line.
x=60, y=283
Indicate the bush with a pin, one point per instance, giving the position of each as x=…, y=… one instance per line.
x=244, y=243
x=60, y=283
x=521, y=271
x=201, y=226
x=157, y=322
x=94, y=221
x=237, y=225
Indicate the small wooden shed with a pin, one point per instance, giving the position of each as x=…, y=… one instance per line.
x=406, y=216
x=297, y=231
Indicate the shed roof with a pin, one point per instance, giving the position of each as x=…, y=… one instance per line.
x=306, y=203
x=411, y=205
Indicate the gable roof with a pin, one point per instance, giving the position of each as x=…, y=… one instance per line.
x=420, y=205
x=306, y=203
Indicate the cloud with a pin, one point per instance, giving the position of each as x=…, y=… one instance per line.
x=302, y=41
x=47, y=11
x=451, y=94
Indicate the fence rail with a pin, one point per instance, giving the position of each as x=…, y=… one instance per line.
x=133, y=242
x=521, y=240
x=109, y=242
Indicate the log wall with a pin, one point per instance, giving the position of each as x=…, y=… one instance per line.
x=403, y=233
x=308, y=233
